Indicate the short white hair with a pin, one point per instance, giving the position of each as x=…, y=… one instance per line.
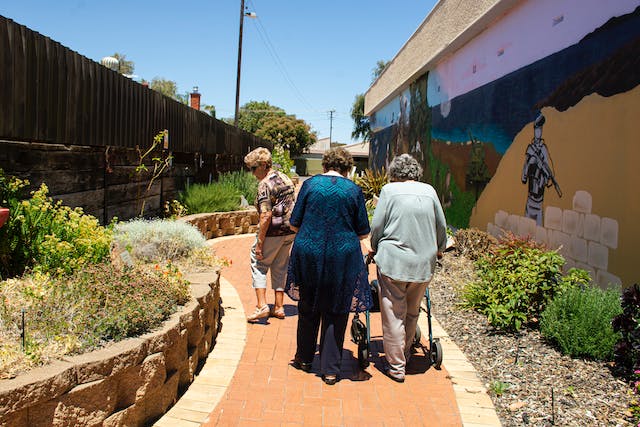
x=404, y=167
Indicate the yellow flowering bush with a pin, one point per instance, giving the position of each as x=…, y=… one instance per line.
x=45, y=235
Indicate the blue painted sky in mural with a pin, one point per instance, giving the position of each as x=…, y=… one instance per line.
x=306, y=57
x=498, y=121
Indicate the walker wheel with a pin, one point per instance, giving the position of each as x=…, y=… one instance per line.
x=417, y=337
x=435, y=353
x=363, y=355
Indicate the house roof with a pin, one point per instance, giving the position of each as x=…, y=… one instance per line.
x=319, y=147
x=359, y=149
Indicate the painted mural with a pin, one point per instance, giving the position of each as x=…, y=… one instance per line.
x=513, y=100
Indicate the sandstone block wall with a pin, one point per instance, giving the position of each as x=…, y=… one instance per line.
x=130, y=383
x=583, y=238
x=218, y=224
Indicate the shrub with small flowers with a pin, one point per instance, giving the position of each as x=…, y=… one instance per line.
x=45, y=235
x=174, y=209
x=82, y=311
x=72, y=299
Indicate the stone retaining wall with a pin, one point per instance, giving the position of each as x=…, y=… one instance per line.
x=218, y=224
x=132, y=382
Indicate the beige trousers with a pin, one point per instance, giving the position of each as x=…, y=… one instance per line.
x=399, y=309
x=275, y=259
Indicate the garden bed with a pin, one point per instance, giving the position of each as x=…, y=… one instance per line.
x=131, y=382
x=539, y=386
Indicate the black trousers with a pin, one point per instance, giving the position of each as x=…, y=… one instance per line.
x=332, y=334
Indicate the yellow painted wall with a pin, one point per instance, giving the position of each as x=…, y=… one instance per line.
x=595, y=147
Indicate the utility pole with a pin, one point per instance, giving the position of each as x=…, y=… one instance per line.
x=235, y=117
x=330, y=125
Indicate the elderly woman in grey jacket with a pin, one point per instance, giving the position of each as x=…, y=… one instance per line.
x=408, y=232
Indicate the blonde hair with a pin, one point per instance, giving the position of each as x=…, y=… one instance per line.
x=259, y=155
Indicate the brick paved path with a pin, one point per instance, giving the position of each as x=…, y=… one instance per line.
x=267, y=391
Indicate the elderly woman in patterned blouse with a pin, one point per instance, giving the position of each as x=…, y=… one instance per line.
x=270, y=252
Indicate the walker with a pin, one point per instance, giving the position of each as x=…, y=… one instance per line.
x=360, y=332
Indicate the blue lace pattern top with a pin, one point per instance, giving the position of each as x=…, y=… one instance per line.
x=326, y=267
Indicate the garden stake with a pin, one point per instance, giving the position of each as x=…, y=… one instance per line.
x=553, y=410
x=23, y=332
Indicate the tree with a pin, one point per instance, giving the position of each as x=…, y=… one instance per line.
x=253, y=113
x=183, y=98
x=361, y=126
x=274, y=124
x=378, y=69
x=287, y=132
x=124, y=67
x=211, y=109
x=166, y=87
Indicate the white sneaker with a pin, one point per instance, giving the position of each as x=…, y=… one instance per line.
x=260, y=313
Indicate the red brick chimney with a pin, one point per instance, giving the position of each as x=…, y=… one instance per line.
x=194, y=99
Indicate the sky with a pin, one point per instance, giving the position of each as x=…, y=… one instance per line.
x=306, y=57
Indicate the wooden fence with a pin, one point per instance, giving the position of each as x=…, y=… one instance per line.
x=51, y=95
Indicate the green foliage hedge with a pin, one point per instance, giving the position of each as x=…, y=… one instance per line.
x=214, y=197
x=242, y=181
x=578, y=321
x=516, y=280
x=222, y=195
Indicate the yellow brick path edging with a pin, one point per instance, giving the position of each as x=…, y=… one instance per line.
x=208, y=387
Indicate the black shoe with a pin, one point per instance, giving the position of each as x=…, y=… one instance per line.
x=330, y=379
x=303, y=366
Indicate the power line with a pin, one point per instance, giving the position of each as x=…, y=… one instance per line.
x=262, y=32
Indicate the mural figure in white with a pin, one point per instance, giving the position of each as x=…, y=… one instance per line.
x=537, y=172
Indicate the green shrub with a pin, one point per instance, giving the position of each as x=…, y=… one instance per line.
x=243, y=181
x=516, y=279
x=371, y=182
x=215, y=197
x=66, y=315
x=45, y=235
x=281, y=161
x=578, y=321
x=157, y=240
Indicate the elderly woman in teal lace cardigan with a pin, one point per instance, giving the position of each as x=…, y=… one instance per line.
x=327, y=273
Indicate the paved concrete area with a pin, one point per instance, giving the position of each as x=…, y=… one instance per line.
x=247, y=379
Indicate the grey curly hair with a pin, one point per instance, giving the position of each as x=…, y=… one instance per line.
x=404, y=167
